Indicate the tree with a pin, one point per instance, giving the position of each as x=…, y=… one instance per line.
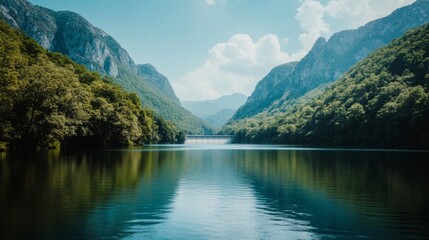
x=50, y=105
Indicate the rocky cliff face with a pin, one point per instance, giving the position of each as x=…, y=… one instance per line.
x=72, y=35
x=328, y=60
x=266, y=91
x=160, y=81
x=68, y=33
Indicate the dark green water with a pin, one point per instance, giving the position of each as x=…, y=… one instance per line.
x=215, y=192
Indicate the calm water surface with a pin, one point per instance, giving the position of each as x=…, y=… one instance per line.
x=215, y=192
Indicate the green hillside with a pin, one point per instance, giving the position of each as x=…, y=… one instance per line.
x=383, y=101
x=46, y=100
x=330, y=58
x=161, y=103
x=74, y=36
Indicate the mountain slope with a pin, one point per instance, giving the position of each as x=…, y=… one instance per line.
x=72, y=35
x=218, y=111
x=220, y=118
x=46, y=99
x=382, y=101
x=269, y=89
x=328, y=60
x=68, y=33
x=150, y=73
x=209, y=107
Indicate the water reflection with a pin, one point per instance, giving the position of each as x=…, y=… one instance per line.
x=92, y=194
x=344, y=194
x=240, y=192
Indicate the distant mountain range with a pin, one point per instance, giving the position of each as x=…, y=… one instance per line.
x=72, y=35
x=220, y=118
x=328, y=60
x=217, y=111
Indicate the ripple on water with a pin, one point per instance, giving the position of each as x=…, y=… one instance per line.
x=222, y=192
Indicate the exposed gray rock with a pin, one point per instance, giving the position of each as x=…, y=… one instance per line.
x=72, y=35
x=328, y=60
x=68, y=33
x=160, y=81
x=266, y=91
x=4, y=13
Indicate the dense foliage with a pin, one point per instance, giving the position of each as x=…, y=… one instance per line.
x=74, y=36
x=161, y=103
x=46, y=100
x=331, y=58
x=382, y=101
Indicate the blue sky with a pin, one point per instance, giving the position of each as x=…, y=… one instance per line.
x=208, y=48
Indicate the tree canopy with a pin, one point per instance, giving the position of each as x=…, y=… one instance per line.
x=46, y=100
x=382, y=101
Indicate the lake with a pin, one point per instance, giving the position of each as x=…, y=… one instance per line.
x=215, y=192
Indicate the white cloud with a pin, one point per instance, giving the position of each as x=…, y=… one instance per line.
x=310, y=17
x=237, y=65
x=232, y=66
x=358, y=13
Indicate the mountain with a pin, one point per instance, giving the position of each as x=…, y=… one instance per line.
x=216, y=111
x=47, y=100
x=220, y=118
x=269, y=89
x=328, y=60
x=150, y=73
x=68, y=33
x=383, y=101
x=72, y=35
x=209, y=107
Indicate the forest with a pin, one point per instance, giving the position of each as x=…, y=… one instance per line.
x=383, y=101
x=48, y=101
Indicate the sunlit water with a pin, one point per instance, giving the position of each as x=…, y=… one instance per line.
x=215, y=192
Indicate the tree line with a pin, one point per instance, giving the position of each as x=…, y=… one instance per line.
x=383, y=101
x=47, y=100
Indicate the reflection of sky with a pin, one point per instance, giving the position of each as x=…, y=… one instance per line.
x=214, y=202
x=128, y=212
x=233, y=192
x=253, y=147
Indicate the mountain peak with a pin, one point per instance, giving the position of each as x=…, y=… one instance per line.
x=71, y=34
x=151, y=74
x=216, y=111
x=148, y=66
x=319, y=42
x=238, y=95
x=330, y=59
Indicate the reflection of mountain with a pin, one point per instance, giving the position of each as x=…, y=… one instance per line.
x=196, y=193
x=146, y=205
x=328, y=188
x=86, y=195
